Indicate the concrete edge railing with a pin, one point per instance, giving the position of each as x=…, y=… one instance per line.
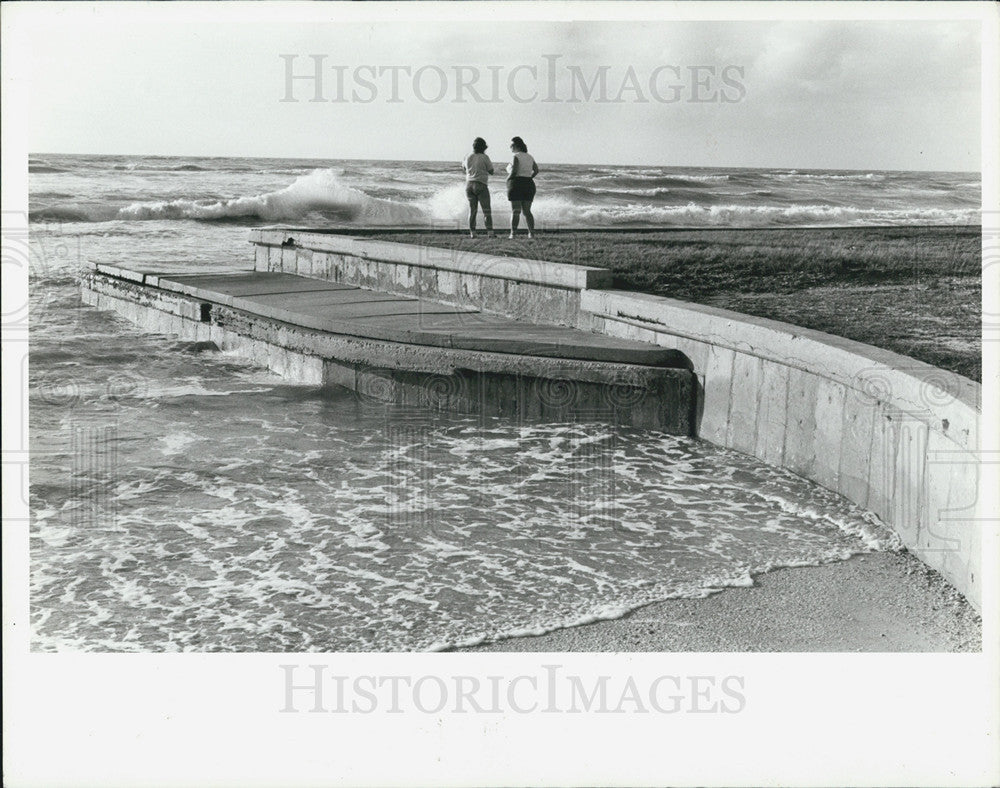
x=575, y=277
x=531, y=290
x=893, y=435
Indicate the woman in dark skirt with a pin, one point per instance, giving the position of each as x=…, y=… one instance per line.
x=521, y=174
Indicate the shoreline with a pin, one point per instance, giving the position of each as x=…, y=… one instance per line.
x=873, y=602
x=639, y=229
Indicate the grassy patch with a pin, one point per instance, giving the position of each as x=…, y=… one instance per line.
x=913, y=290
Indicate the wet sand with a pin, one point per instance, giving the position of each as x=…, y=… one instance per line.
x=875, y=602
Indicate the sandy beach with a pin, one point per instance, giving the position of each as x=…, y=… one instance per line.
x=878, y=602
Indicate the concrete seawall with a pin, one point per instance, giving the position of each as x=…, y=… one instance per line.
x=530, y=290
x=408, y=351
x=891, y=434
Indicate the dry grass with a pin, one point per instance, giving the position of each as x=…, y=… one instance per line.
x=913, y=290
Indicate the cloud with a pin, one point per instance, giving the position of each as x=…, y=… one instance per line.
x=855, y=62
x=819, y=93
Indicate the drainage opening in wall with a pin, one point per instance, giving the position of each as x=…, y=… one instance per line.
x=206, y=313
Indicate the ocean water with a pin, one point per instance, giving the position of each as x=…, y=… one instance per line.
x=123, y=189
x=184, y=500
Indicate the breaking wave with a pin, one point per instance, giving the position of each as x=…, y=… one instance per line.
x=824, y=176
x=318, y=195
x=560, y=211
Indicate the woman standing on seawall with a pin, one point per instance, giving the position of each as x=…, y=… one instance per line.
x=521, y=173
x=478, y=169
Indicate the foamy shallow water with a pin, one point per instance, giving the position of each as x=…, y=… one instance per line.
x=333, y=527
x=186, y=501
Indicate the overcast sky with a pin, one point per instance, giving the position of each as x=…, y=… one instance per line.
x=868, y=95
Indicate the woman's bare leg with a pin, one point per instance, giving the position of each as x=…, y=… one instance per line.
x=515, y=217
x=528, y=217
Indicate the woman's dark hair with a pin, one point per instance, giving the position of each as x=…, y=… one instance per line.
x=518, y=143
x=478, y=145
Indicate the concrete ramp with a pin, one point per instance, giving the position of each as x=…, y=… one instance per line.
x=396, y=348
x=361, y=312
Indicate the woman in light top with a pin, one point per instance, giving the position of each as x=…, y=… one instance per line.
x=521, y=173
x=478, y=169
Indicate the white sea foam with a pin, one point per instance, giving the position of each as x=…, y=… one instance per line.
x=832, y=176
x=177, y=442
x=320, y=193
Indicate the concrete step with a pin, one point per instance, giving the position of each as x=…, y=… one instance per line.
x=343, y=309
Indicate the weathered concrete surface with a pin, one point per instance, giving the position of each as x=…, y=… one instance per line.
x=353, y=311
x=517, y=269
x=892, y=434
x=519, y=371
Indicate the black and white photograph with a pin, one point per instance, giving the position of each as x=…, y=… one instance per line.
x=515, y=385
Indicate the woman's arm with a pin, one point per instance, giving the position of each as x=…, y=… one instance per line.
x=534, y=168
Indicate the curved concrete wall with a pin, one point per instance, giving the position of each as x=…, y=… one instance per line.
x=891, y=434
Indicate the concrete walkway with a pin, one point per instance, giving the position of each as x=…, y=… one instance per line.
x=358, y=312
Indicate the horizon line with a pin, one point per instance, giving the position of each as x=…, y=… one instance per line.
x=553, y=163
